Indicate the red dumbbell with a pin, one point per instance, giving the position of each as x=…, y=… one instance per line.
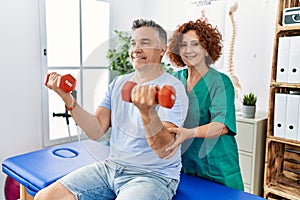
x=66, y=83
x=165, y=95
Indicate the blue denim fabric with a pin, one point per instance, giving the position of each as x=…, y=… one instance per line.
x=107, y=180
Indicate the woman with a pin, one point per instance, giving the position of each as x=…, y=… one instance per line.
x=209, y=148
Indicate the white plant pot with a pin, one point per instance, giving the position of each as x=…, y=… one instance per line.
x=248, y=111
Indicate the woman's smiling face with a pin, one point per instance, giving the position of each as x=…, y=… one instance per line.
x=191, y=51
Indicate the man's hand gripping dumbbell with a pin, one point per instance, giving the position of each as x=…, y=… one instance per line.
x=63, y=85
x=164, y=96
x=66, y=82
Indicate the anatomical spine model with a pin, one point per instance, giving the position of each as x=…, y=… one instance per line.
x=234, y=79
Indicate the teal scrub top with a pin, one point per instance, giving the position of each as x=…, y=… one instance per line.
x=216, y=159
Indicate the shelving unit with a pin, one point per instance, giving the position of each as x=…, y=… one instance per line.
x=251, y=139
x=282, y=159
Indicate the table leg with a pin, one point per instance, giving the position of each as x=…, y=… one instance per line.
x=23, y=194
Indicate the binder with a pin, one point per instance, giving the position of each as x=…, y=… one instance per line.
x=292, y=107
x=283, y=56
x=294, y=60
x=279, y=115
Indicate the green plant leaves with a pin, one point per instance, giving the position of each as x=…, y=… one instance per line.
x=118, y=57
x=249, y=99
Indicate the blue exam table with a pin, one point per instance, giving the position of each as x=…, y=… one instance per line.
x=38, y=169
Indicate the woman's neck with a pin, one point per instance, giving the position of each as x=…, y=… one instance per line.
x=194, y=75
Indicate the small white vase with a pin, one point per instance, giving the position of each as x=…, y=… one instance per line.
x=248, y=111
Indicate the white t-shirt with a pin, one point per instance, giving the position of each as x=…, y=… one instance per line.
x=128, y=144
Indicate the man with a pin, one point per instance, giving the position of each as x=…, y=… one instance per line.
x=139, y=136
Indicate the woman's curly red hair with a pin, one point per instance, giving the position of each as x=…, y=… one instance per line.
x=209, y=37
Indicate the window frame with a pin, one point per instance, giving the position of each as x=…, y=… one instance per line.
x=45, y=68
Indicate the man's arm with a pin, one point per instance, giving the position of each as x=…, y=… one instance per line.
x=157, y=134
x=93, y=125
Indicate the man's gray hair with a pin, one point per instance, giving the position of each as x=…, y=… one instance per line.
x=138, y=23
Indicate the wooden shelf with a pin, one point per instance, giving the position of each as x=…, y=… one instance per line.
x=284, y=85
x=280, y=28
x=282, y=158
x=284, y=187
x=283, y=140
x=282, y=169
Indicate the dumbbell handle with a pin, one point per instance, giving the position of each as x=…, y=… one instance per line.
x=66, y=83
x=165, y=95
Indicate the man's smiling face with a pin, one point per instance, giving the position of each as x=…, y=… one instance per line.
x=145, y=47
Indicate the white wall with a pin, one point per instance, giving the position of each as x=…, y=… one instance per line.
x=20, y=82
x=254, y=47
x=254, y=42
x=124, y=12
x=21, y=79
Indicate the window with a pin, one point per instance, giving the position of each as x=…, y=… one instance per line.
x=75, y=39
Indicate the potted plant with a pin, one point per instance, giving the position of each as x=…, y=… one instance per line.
x=118, y=57
x=249, y=105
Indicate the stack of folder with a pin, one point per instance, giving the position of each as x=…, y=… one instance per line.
x=287, y=108
x=288, y=60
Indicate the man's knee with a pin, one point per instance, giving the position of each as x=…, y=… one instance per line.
x=40, y=195
x=55, y=191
